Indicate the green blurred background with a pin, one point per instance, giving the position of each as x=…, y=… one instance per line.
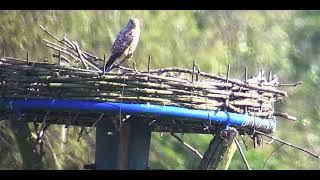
x=288, y=42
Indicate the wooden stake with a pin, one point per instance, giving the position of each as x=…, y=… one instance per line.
x=59, y=60
x=104, y=64
x=245, y=75
x=228, y=73
x=149, y=63
x=27, y=56
x=270, y=76
x=193, y=69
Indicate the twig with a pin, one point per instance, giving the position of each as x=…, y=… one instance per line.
x=188, y=146
x=63, y=50
x=100, y=117
x=244, y=143
x=242, y=154
x=289, y=144
x=80, y=133
x=62, y=58
x=222, y=78
x=152, y=122
x=36, y=125
x=285, y=115
x=92, y=56
x=75, y=48
x=49, y=33
x=80, y=55
x=73, y=51
x=68, y=43
x=294, y=84
x=44, y=125
x=274, y=150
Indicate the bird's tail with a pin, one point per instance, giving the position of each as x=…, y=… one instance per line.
x=110, y=63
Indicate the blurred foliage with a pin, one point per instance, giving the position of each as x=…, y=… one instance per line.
x=286, y=42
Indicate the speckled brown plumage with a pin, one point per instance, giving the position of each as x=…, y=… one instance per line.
x=124, y=45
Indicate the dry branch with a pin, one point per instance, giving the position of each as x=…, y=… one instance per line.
x=242, y=154
x=289, y=144
x=192, y=149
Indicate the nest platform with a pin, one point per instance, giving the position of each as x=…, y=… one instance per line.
x=22, y=79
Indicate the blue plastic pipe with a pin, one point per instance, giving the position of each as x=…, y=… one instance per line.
x=221, y=117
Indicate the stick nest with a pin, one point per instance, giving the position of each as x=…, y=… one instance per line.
x=83, y=79
x=169, y=87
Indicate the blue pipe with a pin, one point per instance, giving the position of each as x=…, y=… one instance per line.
x=221, y=117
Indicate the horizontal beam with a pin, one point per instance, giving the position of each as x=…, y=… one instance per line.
x=219, y=117
x=156, y=123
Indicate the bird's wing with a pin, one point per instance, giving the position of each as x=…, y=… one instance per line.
x=122, y=42
x=117, y=38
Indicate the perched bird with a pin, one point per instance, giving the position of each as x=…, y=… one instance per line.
x=124, y=45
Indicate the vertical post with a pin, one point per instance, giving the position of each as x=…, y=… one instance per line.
x=139, y=144
x=220, y=151
x=123, y=146
x=106, y=146
x=127, y=149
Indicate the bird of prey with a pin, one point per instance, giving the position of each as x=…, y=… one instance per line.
x=124, y=45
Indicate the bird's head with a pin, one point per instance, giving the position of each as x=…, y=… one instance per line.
x=133, y=22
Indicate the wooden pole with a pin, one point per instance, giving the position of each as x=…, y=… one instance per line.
x=124, y=149
x=123, y=146
x=27, y=56
x=219, y=153
x=139, y=146
x=149, y=63
x=59, y=60
x=106, y=146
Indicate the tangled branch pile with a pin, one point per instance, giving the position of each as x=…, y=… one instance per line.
x=83, y=79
